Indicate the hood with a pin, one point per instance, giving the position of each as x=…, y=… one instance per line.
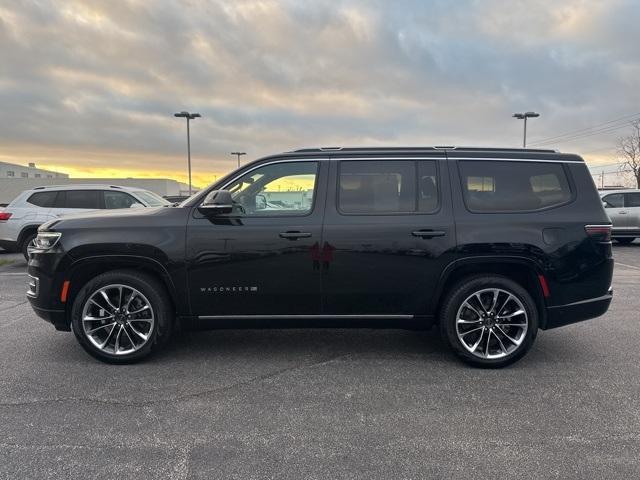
x=102, y=218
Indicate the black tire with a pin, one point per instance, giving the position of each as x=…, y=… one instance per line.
x=466, y=288
x=625, y=240
x=161, y=309
x=25, y=245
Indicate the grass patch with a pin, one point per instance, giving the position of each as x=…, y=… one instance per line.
x=5, y=262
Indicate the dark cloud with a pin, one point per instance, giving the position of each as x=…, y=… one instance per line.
x=267, y=76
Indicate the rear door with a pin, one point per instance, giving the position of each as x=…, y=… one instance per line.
x=632, y=205
x=76, y=201
x=388, y=235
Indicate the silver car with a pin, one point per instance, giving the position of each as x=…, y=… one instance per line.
x=623, y=208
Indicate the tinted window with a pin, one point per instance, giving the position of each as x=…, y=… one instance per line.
x=285, y=188
x=43, y=199
x=428, y=187
x=387, y=186
x=510, y=186
x=82, y=199
x=114, y=200
x=615, y=200
x=632, y=200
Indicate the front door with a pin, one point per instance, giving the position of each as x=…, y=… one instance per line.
x=615, y=208
x=259, y=259
x=388, y=234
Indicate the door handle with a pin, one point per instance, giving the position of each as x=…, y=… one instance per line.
x=623, y=212
x=428, y=233
x=294, y=235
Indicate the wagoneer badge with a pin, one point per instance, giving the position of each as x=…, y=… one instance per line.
x=223, y=289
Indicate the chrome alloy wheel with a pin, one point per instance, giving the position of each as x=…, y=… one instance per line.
x=491, y=323
x=118, y=319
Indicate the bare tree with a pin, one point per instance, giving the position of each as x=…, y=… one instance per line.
x=629, y=150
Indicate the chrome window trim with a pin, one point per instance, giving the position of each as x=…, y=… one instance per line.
x=300, y=317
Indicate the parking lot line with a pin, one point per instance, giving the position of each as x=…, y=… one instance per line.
x=628, y=266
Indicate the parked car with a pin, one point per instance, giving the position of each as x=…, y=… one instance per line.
x=19, y=221
x=489, y=244
x=175, y=198
x=623, y=208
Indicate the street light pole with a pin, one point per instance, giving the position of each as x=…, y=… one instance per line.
x=188, y=116
x=524, y=116
x=238, y=154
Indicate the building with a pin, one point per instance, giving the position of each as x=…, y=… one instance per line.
x=11, y=170
x=15, y=179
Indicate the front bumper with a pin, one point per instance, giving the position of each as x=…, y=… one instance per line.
x=58, y=318
x=578, y=311
x=44, y=291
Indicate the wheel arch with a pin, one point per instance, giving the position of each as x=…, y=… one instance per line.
x=522, y=270
x=86, y=268
x=25, y=231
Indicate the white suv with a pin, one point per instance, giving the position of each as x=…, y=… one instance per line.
x=623, y=208
x=19, y=221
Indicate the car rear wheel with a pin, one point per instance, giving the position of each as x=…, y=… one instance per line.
x=489, y=321
x=122, y=316
x=624, y=240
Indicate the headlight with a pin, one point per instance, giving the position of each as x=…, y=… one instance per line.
x=46, y=240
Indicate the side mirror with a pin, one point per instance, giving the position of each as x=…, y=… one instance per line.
x=136, y=205
x=217, y=202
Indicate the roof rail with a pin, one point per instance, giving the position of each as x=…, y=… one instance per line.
x=417, y=149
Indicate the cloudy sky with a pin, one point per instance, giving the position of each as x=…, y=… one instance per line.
x=89, y=87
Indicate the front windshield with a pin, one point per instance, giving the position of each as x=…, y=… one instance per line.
x=151, y=199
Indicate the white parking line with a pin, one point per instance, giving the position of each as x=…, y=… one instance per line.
x=628, y=266
x=7, y=274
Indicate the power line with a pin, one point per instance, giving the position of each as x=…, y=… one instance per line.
x=573, y=132
x=601, y=131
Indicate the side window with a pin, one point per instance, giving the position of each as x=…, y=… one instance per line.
x=388, y=187
x=113, y=200
x=615, y=200
x=377, y=186
x=632, y=199
x=43, y=199
x=512, y=186
x=428, y=186
x=82, y=199
x=285, y=188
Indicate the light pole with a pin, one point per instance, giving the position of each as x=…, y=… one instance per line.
x=238, y=154
x=188, y=116
x=524, y=116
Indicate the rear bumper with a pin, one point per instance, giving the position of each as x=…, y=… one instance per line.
x=9, y=245
x=579, y=311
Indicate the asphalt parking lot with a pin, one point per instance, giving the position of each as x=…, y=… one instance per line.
x=306, y=404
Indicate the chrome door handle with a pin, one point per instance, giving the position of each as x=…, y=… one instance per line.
x=428, y=233
x=624, y=212
x=294, y=235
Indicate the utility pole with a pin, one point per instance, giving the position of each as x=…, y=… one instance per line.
x=524, y=116
x=188, y=116
x=238, y=154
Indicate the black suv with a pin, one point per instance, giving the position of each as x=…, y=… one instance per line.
x=489, y=244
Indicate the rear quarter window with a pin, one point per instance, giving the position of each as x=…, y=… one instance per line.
x=43, y=199
x=513, y=186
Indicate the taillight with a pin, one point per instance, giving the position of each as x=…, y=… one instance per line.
x=4, y=216
x=601, y=233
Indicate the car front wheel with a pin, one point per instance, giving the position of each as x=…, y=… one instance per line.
x=122, y=316
x=489, y=321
